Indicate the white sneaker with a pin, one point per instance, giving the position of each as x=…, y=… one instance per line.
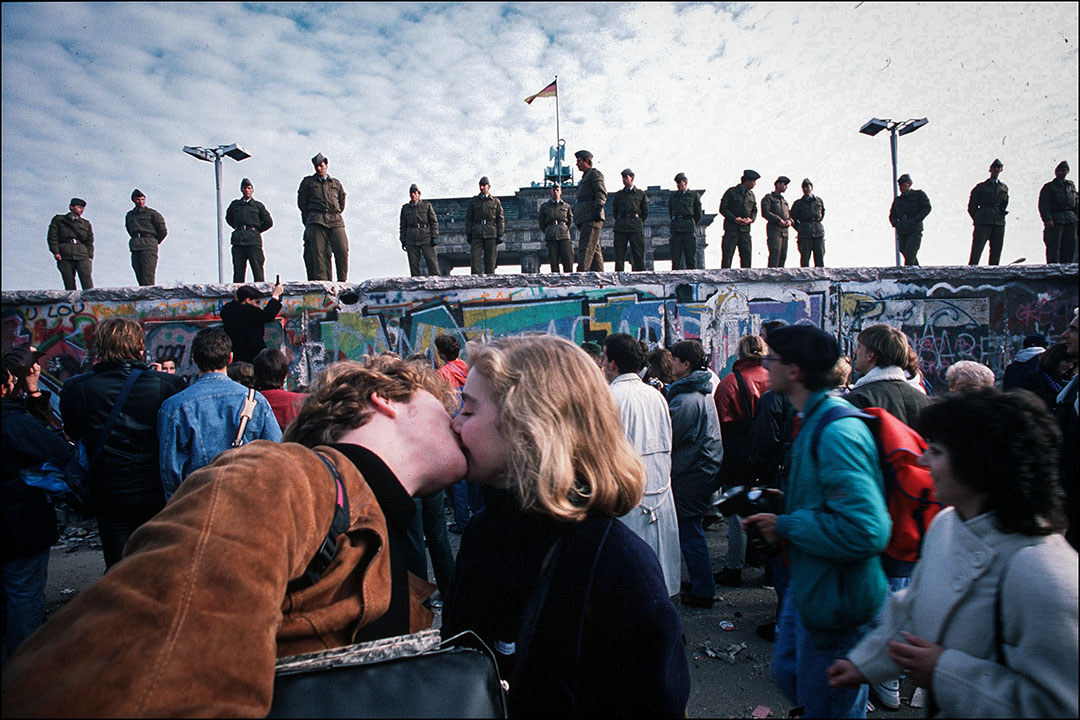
x=886, y=695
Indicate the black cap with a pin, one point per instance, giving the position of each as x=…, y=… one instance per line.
x=1062, y=166
x=413, y=188
x=811, y=348
x=583, y=155
x=681, y=177
x=905, y=178
x=137, y=193
x=245, y=183
x=997, y=164
x=1035, y=340
x=784, y=179
x=77, y=201
x=319, y=160
x=807, y=181
x=484, y=181
x=750, y=175
x=626, y=172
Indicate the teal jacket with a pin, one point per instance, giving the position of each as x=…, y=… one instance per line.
x=835, y=522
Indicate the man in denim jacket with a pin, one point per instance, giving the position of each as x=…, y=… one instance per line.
x=202, y=421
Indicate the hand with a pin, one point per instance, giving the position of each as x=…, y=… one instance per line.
x=156, y=366
x=844, y=674
x=57, y=256
x=918, y=658
x=1049, y=224
x=765, y=524
x=278, y=291
x=32, y=376
x=499, y=240
x=434, y=241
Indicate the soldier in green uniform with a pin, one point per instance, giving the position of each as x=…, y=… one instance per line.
x=774, y=209
x=146, y=228
x=321, y=200
x=906, y=215
x=485, y=227
x=739, y=208
x=418, y=229
x=589, y=213
x=986, y=206
x=807, y=213
x=71, y=242
x=556, y=219
x=684, y=209
x=1059, y=211
x=631, y=208
x=249, y=219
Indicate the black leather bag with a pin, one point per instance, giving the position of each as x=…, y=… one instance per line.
x=406, y=676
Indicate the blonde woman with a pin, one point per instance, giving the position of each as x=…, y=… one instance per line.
x=573, y=603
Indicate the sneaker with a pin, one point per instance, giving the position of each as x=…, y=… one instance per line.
x=728, y=577
x=691, y=600
x=886, y=695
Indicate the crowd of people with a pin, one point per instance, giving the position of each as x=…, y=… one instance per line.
x=242, y=523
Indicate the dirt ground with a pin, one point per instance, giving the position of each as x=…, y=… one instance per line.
x=719, y=687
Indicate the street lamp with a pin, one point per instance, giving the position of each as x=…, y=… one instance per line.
x=214, y=155
x=876, y=125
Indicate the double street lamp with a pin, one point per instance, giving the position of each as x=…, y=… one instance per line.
x=895, y=128
x=214, y=155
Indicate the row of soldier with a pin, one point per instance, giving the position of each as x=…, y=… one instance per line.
x=321, y=200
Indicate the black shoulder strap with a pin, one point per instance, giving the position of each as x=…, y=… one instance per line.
x=106, y=430
x=744, y=393
x=339, y=526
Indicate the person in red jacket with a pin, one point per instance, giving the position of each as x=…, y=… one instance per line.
x=271, y=367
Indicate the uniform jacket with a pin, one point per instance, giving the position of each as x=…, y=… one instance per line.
x=908, y=212
x=684, y=209
x=556, y=220
x=249, y=220
x=191, y=621
x=29, y=518
x=418, y=224
x=484, y=218
x=647, y=425
x=696, y=447
x=888, y=388
x=245, y=325
x=71, y=237
x=1058, y=202
x=1003, y=605
x=631, y=209
x=591, y=198
x=146, y=228
x=738, y=202
x=835, y=524
x=988, y=202
x=807, y=214
x=774, y=209
x=321, y=201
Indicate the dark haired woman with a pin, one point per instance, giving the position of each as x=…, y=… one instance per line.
x=989, y=623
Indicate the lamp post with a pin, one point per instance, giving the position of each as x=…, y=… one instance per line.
x=895, y=128
x=214, y=155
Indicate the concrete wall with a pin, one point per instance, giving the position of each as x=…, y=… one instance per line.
x=948, y=313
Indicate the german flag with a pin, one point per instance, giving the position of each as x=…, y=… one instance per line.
x=549, y=91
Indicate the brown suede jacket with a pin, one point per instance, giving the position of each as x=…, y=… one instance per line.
x=190, y=622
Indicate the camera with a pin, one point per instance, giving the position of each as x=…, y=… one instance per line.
x=745, y=501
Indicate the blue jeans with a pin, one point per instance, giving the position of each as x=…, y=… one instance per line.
x=695, y=551
x=24, y=598
x=799, y=666
x=429, y=528
x=468, y=500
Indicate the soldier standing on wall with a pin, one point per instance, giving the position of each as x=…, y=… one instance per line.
x=485, y=226
x=631, y=208
x=556, y=219
x=684, y=209
x=806, y=214
x=321, y=200
x=589, y=213
x=419, y=229
x=986, y=206
x=774, y=209
x=739, y=208
x=146, y=228
x=908, y=211
x=71, y=242
x=1059, y=210
x=249, y=219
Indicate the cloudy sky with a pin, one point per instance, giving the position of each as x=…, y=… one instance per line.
x=99, y=98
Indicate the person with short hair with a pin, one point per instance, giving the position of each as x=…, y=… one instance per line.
x=146, y=228
x=989, y=623
x=684, y=210
x=540, y=429
x=589, y=213
x=271, y=368
x=241, y=372
x=249, y=219
x=834, y=523
x=1055, y=370
x=630, y=205
x=881, y=354
x=245, y=322
x=321, y=200
x=739, y=208
x=556, y=217
x=125, y=481
x=22, y=363
x=485, y=226
x=1025, y=362
x=222, y=581
x=418, y=231
x=452, y=368
x=658, y=371
x=906, y=214
x=71, y=242
x=197, y=424
x=1059, y=208
x=987, y=207
x=968, y=375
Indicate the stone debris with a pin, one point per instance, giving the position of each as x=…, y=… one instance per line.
x=82, y=535
x=732, y=650
x=761, y=712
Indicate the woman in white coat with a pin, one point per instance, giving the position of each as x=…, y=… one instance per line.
x=989, y=623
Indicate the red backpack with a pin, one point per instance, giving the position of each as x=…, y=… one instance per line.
x=909, y=489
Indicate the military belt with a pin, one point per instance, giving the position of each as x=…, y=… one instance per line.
x=559, y=222
x=69, y=240
x=418, y=225
x=247, y=227
x=684, y=217
x=483, y=222
x=144, y=235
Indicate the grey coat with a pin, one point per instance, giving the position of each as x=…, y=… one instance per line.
x=696, y=447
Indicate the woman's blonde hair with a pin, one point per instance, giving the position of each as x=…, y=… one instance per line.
x=567, y=452
x=752, y=347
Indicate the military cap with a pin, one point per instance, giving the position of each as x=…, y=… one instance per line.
x=807, y=181
x=484, y=181
x=784, y=179
x=583, y=155
x=997, y=164
x=626, y=172
x=413, y=188
x=681, y=177
x=1062, y=166
x=750, y=175
x=77, y=201
x=319, y=160
x=137, y=193
x=905, y=178
x=245, y=183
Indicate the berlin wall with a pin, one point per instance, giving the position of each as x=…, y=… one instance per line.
x=948, y=313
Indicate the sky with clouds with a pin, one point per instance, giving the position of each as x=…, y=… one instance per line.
x=99, y=98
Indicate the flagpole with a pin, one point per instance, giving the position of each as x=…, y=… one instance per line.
x=558, y=164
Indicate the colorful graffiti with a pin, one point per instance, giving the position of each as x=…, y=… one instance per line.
x=945, y=324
